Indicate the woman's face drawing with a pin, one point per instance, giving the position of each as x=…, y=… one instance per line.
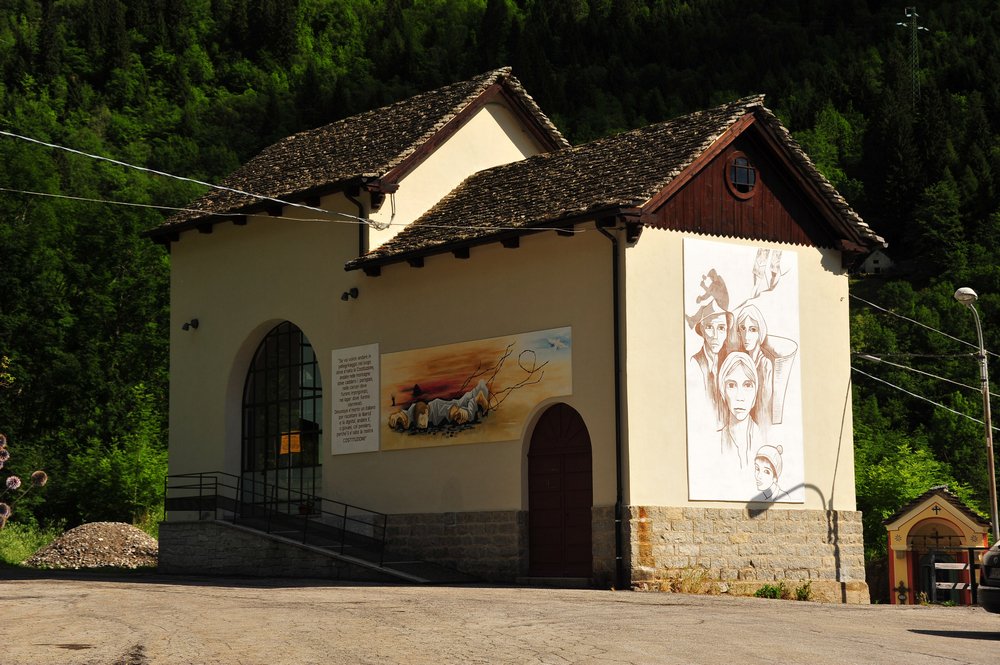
x=740, y=390
x=749, y=331
x=763, y=473
x=714, y=330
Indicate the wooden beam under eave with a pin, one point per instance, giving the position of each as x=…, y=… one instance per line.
x=240, y=221
x=205, y=228
x=511, y=243
x=416, y=262
x=461, y=253
x=372, y=271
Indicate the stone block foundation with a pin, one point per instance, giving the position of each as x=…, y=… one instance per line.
x=739, y=550
x=699, y=550
x=489, y=545
x=209, y=547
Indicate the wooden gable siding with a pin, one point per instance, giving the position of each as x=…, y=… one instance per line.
x=777, y=211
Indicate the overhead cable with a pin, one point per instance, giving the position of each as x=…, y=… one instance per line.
x=922, y=325
x=352, y=220
x=146, y=169
x=921, y=397
x=881, y=359
x=376, y=224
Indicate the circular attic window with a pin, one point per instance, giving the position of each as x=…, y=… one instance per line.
x=741, y=176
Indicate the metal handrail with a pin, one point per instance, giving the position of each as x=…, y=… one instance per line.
x=213, y=487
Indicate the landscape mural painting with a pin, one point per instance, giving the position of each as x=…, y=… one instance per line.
x=744, y=406
x=471, y=392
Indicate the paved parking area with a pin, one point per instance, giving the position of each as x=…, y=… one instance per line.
x=139, y=619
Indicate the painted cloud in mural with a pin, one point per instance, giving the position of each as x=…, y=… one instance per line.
x=744, y=409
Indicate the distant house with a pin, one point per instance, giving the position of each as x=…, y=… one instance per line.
x=876, y=263
x=610, y=363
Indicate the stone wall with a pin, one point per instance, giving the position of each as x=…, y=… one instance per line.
x=492, y=545
x=602, y=534
x=208, y=547
x=739, y=550
x=489, y=545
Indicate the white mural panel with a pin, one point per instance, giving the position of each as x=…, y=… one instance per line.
x=744, y=388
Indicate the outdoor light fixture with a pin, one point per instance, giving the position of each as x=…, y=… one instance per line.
x=968, y=297
x=190, y=325
x=347, y=295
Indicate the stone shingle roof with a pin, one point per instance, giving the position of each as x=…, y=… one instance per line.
x=942, y=492
x=367, y=145
x=618, y=172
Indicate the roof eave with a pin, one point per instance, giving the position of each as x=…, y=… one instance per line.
x=309, y=197
x=850, y=238
x=559, y=223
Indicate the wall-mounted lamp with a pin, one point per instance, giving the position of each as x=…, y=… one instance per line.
x=190, y=325
x=347, y=295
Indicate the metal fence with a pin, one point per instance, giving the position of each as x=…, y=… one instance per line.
x=967, y=569
x=302, y=516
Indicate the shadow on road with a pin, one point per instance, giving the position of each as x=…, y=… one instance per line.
x=961, y=634
x=151, y=576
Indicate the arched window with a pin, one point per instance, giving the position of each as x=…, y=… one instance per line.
x=282, y=411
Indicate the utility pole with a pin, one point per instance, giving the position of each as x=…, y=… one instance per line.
x=914, y=27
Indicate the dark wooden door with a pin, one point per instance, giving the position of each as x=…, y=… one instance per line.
x=560, y=495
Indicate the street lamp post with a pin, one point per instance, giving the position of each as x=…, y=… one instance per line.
x=968, y=297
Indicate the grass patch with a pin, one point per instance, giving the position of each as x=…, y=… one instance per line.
x=150, y=521
x=19, y=541
x=778, y=590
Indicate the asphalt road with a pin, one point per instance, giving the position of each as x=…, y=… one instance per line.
x=140, y=619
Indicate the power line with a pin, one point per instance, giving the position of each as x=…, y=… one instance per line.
x=921, y=397
x=377, y=225
x=131, y=204
x=881, y=359
x=922, y=325
x=932, y=356
x=352, y=219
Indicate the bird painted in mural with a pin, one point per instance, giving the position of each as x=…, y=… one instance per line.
x=556, y=343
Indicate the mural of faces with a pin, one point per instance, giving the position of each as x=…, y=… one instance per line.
x=715, y=330
x=743, y=384
x=739, y=385
x=749, y=331
x=763, y=473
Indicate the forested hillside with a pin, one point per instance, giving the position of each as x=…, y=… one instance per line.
x=195, y=87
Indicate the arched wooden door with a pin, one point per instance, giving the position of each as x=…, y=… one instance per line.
x=560, y=495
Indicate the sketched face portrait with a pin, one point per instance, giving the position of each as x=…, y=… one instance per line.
x=749, y=331
x=743, y=381
x=714, y=330
x=739, y=386
x=763, y=473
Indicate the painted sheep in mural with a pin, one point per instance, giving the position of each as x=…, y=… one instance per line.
x=421, y=415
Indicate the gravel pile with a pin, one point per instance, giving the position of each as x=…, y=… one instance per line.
x=98, y=545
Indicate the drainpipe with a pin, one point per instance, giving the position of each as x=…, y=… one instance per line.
x=351, y=195
x=622, y=579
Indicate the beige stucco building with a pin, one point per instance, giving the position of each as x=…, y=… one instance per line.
x=490, y=340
